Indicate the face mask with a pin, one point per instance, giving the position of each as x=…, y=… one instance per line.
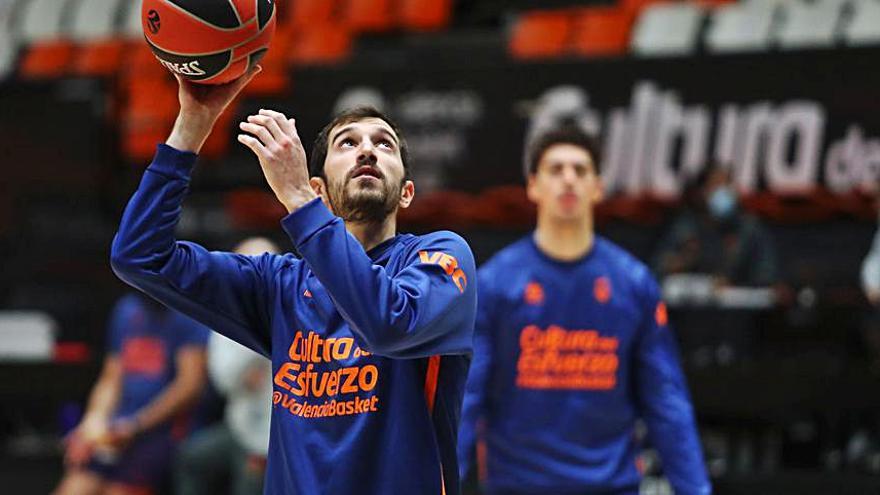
x=722, y=203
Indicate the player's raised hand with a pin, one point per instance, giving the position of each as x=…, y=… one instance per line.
x=200, y=106
x=78, y=449
x=275, y=141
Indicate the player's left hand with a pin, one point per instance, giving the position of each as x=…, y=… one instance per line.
x=78, y=449
x=121, y=433
x=275, y=141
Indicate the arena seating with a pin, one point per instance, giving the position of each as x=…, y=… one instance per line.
x=667, y=29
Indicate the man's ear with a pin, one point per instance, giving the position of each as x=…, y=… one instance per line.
x=531, y=189
x=599, y=194
x=407, y=194
x=320, y=188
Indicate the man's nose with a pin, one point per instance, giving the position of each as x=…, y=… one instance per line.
x=366, y=153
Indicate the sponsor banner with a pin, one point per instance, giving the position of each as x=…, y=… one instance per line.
x=784, y=122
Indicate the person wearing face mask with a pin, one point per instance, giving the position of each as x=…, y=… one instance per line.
x=714, y=236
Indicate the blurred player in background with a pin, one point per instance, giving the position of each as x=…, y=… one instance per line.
x=140, y=408
x=369, y=332
x=235, y=449
x=572, y=348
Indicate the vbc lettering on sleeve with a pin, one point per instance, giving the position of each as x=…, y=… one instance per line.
x=449, y=265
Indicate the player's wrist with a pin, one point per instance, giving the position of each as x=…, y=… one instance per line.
x=297, y=197
x=136, y=424
x=92, y=423
x=191, y=130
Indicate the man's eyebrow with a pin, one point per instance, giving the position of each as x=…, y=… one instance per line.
x=341, y=132
x=381, y=130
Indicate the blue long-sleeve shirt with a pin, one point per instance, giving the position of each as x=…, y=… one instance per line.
x=567, y=355
x=369, y=349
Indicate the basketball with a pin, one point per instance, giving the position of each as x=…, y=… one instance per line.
x=208, y=41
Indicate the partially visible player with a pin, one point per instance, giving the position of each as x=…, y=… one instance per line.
x=571, y=348
x=140, y=408
x=369, y=333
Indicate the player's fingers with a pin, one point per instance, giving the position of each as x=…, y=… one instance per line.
x=260, y=131
x=242, y=81
x=282, y=121
x=252, y=72
x=269, y=123
x=254, y=144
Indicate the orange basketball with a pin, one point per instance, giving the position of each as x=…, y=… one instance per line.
x=208, y=41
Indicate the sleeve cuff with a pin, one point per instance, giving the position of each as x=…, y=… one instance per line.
x=306, y=220
x=171, y=162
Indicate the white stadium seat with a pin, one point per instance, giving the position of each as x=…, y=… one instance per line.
x=8, y=46
x=864, y=25
x=667, y=29
x=7, y=9
x=811, y=24
x=94, y=20
x=741, y=27
x=765, y=3
x=131, y=21
x=42, y=20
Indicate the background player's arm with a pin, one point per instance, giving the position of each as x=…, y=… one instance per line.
x=102, y=402
x=105, y=394
x=473, y=409
x=664, y=400
x=222, y=290
x=179, y=395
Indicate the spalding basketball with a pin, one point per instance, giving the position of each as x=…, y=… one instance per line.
x=208, y=41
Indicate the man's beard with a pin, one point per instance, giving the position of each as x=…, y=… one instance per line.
x=362, y=204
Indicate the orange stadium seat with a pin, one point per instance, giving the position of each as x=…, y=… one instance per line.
x=99, y=58
x=275, y=77
x=367, y=15
x=319, y=44
x=150, y=108
x=424, y=15
x=305, y=13
x=46, y=59
x=253, y=208
x=540, y=34
x=634, y=6
x=93, y=26
x=141, y=61
x=601, y=31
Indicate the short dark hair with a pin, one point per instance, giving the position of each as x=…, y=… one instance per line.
x=319, y=149
x=566, y=134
